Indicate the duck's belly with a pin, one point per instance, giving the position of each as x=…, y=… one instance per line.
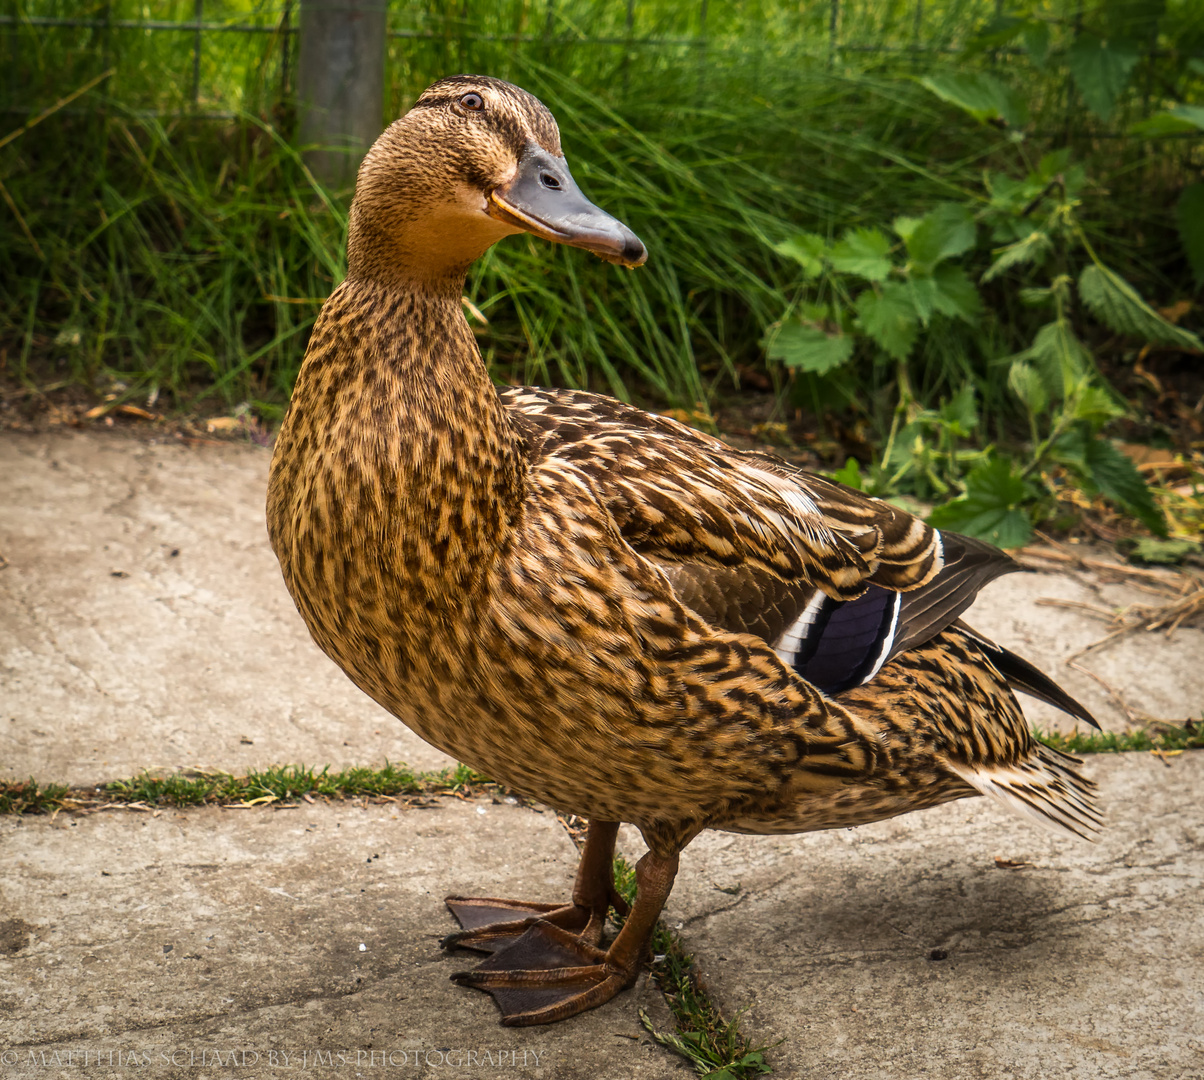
x=852, y=805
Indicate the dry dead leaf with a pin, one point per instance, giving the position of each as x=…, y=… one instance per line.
x=133, y=410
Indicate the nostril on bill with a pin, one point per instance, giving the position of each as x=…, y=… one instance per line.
x=549, y=181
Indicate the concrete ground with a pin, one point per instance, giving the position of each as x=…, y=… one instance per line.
x=143, y=624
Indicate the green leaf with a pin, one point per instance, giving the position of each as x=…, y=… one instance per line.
x=905, y=226
x=960, y=412
x=1095, y=406
x=1101, y=71
x=889, y=318
x=1032, y=249
x=1036, y=42
x=1161, y=552
x=1028, y=386
x=1162, y=124
x=1036, y=297
x=999, y=31
x=1117, y=477
x=808, y=348
x=956, y=294
x=983, y=96
x=1052, y=164
x=1190, y=213
x=1120, y=307
x=807, y=249
x=1192, y=114
x=945, y=231
x=992, y=507
x=850, y=475
x=863, y=252
x=1059, y=357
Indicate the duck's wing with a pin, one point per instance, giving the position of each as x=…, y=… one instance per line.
x=683, y=497
x=837, y=583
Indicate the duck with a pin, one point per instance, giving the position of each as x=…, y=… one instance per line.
x=604, y=609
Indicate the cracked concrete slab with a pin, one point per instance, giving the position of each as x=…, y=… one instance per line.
x=144, y=623
x=961, y=943
x=283, y=933
x=896, y=950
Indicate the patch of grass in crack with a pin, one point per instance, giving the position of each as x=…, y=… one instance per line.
x=30, y=797
x=716, y=1047
x=277, y=784
x=1158, y=737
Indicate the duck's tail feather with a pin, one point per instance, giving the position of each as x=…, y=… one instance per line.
x=1046, y=789
x=1028, y=678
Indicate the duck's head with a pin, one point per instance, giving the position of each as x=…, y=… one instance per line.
x=474, y=160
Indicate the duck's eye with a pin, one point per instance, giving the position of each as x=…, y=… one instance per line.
x=472, y=102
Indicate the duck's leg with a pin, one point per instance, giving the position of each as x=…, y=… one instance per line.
x=549, y=974
x=490, y=923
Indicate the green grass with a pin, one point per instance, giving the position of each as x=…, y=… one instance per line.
x=278, y=784
x=715, y=1046
x=1161, y=738
x=184, y=259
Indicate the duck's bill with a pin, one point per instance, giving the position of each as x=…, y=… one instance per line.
x=544, y=199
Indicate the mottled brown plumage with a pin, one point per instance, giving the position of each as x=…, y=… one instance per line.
x=607, y=610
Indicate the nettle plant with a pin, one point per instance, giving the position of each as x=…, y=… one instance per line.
x=873, y=292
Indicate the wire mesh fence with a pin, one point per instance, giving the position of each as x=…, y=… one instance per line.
x=216, y=58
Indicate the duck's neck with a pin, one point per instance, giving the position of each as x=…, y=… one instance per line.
x=410, y=446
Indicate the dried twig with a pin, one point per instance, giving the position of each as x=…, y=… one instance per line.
x=1112, y=692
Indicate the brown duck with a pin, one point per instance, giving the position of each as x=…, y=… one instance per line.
x=603, y=609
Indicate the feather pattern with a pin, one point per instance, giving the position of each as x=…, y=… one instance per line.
x=606, y=609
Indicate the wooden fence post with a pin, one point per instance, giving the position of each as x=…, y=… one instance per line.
x=340, y=84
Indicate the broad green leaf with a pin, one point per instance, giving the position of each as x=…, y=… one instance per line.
x=1054, y=165
x=1095, y=407
x=1117, y=477
x=807, y=249
x=960, y=412
x=905, y=226
x=948, y=290
x=992, y=507
x=863, y=252
x=808, y=348
x=921, y=291
x=1056, y=346
x=1101, y=71
x=945, y=231
x=1028, y=386
x=1050, y=165
x=1032, y=249
x=1120, y=307
x=889, y=318
x=1036, y=41
x=850, y=475
x=1058, y=357
x=1193, y=114
x=955, y=293
x=810, y=312
x=1162, y=124
x=1190, y=213
x=981, y=95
